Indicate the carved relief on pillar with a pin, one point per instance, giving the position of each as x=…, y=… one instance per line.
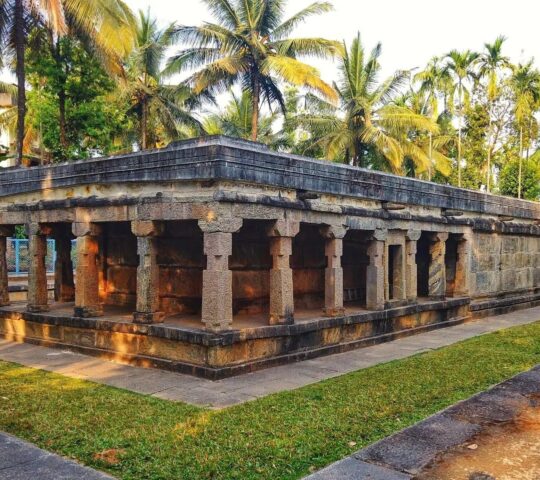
x=375, y=289
x=333, y=275
x=148, y=301
x=463, y=266
x=217, y=312
x=437, y=266
x=37, y=270
x=411, y=269
x=5, y=232
x=87, y=301
x=281, y=235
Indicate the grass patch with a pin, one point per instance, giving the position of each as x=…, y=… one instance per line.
x=279, y=437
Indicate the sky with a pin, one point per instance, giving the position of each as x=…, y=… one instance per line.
x=411, y=31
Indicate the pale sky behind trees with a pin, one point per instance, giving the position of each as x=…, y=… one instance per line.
x=411, y=31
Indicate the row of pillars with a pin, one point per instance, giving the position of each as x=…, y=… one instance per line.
x=217, y=311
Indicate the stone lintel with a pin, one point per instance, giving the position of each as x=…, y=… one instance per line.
x=86, y=229
x=223, y=225
x=147, y=228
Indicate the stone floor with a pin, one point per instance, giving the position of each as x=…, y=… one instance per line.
x=20, y=460
x=236, y=390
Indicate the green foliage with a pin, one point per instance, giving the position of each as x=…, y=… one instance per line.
x=70, y=105
x=281, y=436
x=509, y=175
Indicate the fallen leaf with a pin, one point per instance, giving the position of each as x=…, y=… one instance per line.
x=472, y=446
x=109, y=456
x=352, y=444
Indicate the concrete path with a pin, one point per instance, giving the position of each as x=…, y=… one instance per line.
x=20, y=460
x=232, y=391
x=412, y=452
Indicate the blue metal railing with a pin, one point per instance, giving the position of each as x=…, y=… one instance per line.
x=18, y=258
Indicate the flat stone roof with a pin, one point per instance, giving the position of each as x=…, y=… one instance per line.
x=224, y=158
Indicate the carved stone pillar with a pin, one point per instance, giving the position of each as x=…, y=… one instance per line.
x=64, y=286
x=37, y=270
x=411, y=269
x=375, y=288
x=437, y=267
x=5, y=232
x=87, y=302
x=217, y=312
x=462, y=283
x=147, y=310
x=281, y=275
x=333, y=275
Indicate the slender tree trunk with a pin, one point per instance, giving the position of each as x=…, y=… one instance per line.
x=144, y=124
x=520, y=160
x=255, y=113
x=488, y=180
x=459, y=154
x=430, y=155
x=21, y=77
x=62, y=124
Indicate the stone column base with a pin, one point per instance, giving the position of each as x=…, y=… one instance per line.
x=89, y=311
x=148, y=318
x=287, y=319
x=37, y=308
x=334, y=312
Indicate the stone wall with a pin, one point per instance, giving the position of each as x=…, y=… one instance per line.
x=503, y=264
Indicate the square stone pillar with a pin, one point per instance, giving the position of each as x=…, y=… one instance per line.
x=375, y=272
x=87, y=302
x=37, y=271
x=463, y=266
x=437, y=266
x=281, y=275
x=147, y=310
x=64, y=286
x=217, y=311
x=5, y=232
x=333, y=274
x=411, y=269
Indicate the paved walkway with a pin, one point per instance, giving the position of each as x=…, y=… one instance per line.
x=232, y=391
x=414, y=452
x=20, y=460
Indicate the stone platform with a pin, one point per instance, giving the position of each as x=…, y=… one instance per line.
x=216, y=256
x=181, y=344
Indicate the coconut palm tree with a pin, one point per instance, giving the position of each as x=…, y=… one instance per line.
x=235, y=120
x=161, y=110
x=462, y=68
x=105, y=25
x=491, y=64
x=250, y=45
x=525, y=84
x=369, y=120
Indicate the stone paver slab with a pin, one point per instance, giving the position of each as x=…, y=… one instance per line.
x=20, y=460
x=352, y=469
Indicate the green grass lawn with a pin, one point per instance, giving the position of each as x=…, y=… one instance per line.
x=282, y=436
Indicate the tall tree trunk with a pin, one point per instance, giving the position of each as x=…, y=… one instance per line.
x=520, y=160
x=255, y=113
x=21, y=77
x=144, y=124
x=459, y=154
x=488, y=180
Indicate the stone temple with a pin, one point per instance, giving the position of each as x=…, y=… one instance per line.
x=217, y=256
